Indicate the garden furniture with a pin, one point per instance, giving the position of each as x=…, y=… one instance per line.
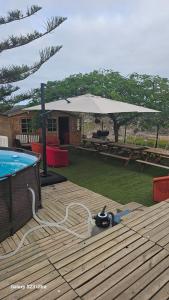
x=57, y=157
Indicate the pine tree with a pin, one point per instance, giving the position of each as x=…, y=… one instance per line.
x=14, y=73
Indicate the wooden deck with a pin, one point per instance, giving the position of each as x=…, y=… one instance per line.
x=128, y=261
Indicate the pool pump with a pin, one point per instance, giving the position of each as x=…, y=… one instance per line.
x=104, y=219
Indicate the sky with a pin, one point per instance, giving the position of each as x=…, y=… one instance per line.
x=122, y=35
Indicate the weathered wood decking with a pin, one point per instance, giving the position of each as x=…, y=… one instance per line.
x=128, y=261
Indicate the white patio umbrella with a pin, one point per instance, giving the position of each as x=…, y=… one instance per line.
x=89, y=104
x=92, y=104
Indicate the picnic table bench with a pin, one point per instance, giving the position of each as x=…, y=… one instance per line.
x=144, y=162
x=116, y=156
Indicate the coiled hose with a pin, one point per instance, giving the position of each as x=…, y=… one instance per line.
x=59, y=225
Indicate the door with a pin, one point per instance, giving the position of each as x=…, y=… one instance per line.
x=64, y=130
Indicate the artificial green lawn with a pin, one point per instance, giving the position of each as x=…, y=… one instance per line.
x=110, y=178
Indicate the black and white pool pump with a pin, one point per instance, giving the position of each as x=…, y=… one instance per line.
x=104, y=219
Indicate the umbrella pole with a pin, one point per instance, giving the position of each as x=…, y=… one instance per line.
x=43, y=129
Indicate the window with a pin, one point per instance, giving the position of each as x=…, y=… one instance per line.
x=26, y=125
x=52, y=126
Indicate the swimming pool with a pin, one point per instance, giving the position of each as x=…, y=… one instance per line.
x=13, y=161
x=18, y=170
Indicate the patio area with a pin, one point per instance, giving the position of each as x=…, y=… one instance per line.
x=130, y=260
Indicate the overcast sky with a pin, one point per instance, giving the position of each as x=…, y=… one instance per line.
x=123, y=35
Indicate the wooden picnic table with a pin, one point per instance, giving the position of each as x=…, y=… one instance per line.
x=133, y=151
x=156, y=154
x=112, y=149
x=96, y=143
x=95, y=140
x=130, y=147
x=157, y=151
x=153, y=157
x=124, y=151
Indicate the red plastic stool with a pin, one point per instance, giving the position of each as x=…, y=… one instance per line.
x=160, y=188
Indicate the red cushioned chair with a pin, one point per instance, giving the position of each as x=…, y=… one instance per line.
x=57, y=157
x=161, y=188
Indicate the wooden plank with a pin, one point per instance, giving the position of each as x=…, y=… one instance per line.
x=152, y=164
x=87, y=149
x=152, y=223
x=130, y=285
x=87, y=256
x=162, y=294
x=164, y=241
x=164, y=156
x=21, y=265
x=154, y=286
x=43, y=280
x=98, y=264
x=17, y=277
x=30, y=279
x=6, y=247
x=39, y=293
x=87, y=242
x=114, y=155
x=58, y=292
x=145, y=218
x=156, y=208
x=19, y=257
x=115, y=273
x=47, y=246
x=90, y=244
x=70, y=295
x=134, y=206
x=160, y=231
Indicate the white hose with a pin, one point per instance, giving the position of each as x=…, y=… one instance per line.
x=53, y=224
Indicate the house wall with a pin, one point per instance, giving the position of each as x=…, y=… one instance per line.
x=5, y=128
x=74, y=133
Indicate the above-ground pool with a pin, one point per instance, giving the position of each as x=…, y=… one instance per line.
x=12, y=161
x=18, y=170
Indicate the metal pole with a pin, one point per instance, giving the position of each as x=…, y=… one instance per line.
x=43, y=129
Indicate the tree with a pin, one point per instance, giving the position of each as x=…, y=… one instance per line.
x=14, y=73
x=154, y=91
x=145, y=90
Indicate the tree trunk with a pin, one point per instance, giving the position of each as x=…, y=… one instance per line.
x=125, y=133
x=116, y=131
x=157, y=134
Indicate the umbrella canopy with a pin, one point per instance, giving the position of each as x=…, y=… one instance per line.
x=92, y=104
